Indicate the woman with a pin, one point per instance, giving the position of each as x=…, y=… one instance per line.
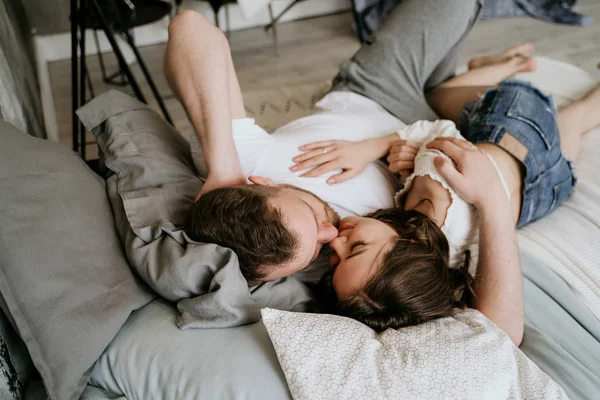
x=523, y=148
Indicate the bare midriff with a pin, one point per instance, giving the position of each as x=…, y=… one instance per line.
x=512, y=171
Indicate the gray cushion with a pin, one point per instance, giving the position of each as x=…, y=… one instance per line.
x=153, y=186
x=65, y=282
x=163, y=362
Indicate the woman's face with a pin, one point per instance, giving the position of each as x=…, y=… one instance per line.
x=358, y=252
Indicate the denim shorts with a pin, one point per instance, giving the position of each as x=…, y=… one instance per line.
x=522, y=120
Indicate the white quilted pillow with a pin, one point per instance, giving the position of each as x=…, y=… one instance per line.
x=463, y=357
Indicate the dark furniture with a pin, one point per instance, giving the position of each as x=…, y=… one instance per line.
x=113, y=17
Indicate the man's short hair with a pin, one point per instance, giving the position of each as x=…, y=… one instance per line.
x=242, y=219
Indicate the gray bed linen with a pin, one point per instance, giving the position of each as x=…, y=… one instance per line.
x=151, y=190
x=561, y=336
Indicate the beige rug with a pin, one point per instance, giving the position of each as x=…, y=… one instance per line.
x=272, y=108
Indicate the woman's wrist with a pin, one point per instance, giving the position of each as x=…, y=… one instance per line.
x=380, y=147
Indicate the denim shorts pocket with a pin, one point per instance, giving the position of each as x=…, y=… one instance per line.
x=561, y=192
x=533, y=111
x=548, y=191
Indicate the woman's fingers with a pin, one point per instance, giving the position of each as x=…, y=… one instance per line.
x=408, y=143
x=403, y=156
x=313, y=153
x=320, y=170
x=342, y=177
x=310, y=146
x=398, y=166
x=405, y=145
x=318, y=158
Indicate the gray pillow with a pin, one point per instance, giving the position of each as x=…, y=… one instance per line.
x=65, y=283
x=152, y=187
x=163, y=362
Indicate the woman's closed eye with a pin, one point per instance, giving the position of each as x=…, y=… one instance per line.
x=353, y=246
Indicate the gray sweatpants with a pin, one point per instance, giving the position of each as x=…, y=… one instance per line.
x=413, y=51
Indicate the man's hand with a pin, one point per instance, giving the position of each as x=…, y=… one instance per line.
x=473, y=175
x=215, y=182
x=351, y=157
x=498, y=283
x=402, y=155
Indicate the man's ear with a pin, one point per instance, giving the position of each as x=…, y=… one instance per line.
x=261, y=180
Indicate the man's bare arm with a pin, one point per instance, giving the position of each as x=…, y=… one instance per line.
x=200, y=72
x=498, y=282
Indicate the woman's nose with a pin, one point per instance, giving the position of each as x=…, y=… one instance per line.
x=339, y=246
x=327, y=232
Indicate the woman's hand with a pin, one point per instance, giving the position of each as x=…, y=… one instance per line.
x=402, y=155
x=473, y=175
x=351, y=157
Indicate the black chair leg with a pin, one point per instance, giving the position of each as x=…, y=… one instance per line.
x=79, y=72
x=82, y=70
x=149, y=79
x=113, y=43
x=358, y=22
x=89, y=83
x=110, y=79
x=74, y=75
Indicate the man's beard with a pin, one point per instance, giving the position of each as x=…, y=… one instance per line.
x=332, y=216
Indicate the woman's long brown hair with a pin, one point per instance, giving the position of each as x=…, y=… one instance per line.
x=414, y=284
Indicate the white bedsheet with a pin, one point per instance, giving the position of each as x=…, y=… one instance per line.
x=568, y=240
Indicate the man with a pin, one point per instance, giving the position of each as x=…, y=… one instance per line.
x=279, y=225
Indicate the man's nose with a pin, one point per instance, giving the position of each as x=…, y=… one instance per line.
x=327, y=232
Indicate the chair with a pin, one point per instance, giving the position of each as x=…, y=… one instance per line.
x=114, y=17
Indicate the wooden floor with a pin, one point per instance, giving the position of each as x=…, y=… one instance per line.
x=312, y=50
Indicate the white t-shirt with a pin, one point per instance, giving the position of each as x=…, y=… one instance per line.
x=461, y=225
x=338, y=116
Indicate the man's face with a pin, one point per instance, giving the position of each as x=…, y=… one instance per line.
x=312, y=220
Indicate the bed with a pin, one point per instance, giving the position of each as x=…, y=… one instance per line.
x=100, y=332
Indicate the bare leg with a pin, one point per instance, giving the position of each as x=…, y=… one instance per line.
x=200, y=71
x=575, y=120
x=449, y=98
x=523, y=50
x=492, y=74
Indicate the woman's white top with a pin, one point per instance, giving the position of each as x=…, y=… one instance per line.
x=461, y=225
